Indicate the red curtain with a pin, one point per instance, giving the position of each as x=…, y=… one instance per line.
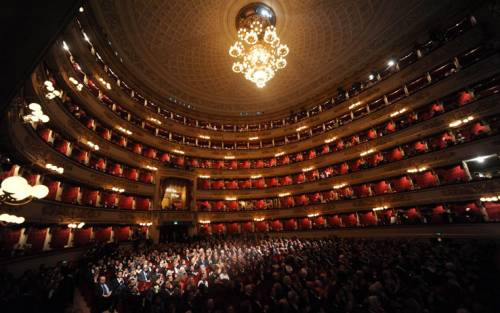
x=60, y=237
x=233, y=228
x=53, y=188
x=122, y=233
x=102, y=234
x=81, y=236
x=36, y=237
x=276, y=225
x=305, y=223
x=9, y=237
x=290, y=224
x=247, y=227
x=262, y=226
x=493, y=210
x=45, y=133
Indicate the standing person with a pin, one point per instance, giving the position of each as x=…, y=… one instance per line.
x=103, y=292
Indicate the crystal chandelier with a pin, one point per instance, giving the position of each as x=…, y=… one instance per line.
x=258, y=52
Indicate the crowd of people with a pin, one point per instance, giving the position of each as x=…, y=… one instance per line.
x=259, y=274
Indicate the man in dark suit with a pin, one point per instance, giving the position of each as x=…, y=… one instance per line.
x=103, y=292
x=118, y=287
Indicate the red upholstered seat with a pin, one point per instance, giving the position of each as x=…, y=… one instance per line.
x=108, y=199
x=217, y=184
x=194, y=162
x=390, y=127
x=62, y=146
x=330, y=195
x=218, y=164
x=334, y=221
x=260, y=183
x=381, y=187
x=287, y=202
x=464, y=97
x=276, y=225
x=493, y=211
x=343, y=168
x=218, y=206
x=362, y=190
x=233, y=165
x=260, y=204
x=375, y=159
x=273, y=162
x=81, y=236
x=115, y=169
x=285, y=160
x=53, y=188
x=319, y=222
x=302, y=200
x=311, y=154
x=102, y=234
x=425, y=179
x=89, y=197
x=204, y=184
x=325, y=149
x=10, y=237
x=217, y=228
x=412, y=215
x=125, y=202
x=165, y=157
x=480, y=128
x=396, y=154
x=356, y=164
x=204, y=205
x=245, y=164
x=262, y=226
x=231, y=184
x=232, y=205
x=272, y=182
x=98, y=164
x=31, y=178
x=79, y=155
x=70, y=193
x=136, y=148
x=122, y=141
x=130, y=173
x=105, y=133
x=150, y=153
x=286, y=180
x=346, y=192
x=142, y=204
x=367, y=218
x=402, y=183
x=315, y=197
x=339, y=145
x=180, y=161
x=258, y=164
x=300, y=178
x=245, y=184
x=349, y=220
x=45, y=134
x=453, y=174
x=146, y=177
x=371, y=134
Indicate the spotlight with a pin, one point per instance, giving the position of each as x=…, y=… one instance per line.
x=391, y=63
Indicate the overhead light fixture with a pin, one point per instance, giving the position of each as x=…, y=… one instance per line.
x=307, y=169
x=124, y=130
x=338, y=186
x=380, y=208
x=204, y=221
x=178, y=151
x=256, y=176
x=461, y=122
x=366, y=152
x=301, y=128
x=391, y=63
x=253, y=138
x=15, y=190
x=119, y=190
x=105, y=83
x=75, y=225
x=279, y=154
x=204, y=137
x=416, y=170
x=11, y=219
x=283, y=194
x=154, y=120
x=81, y=9
x=36, y=115
x=355, y=105
x=331, y=139
x=481, y=159
x=147, y=224
x=313, y=215
x=52, y=92
x=152, y=168
x=258, y=219
x=258, y=52
x=92, y=145
x=371, y=77
x=396, y=113
x=230, y=198
x=65, y=46
x=204, y=176
x=229, y=157
x=171, y=190
x=79, y=86
x=54, y=168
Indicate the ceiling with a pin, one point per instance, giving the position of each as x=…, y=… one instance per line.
x=179, y=48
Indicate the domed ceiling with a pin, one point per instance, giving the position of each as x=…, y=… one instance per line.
x=179, y=48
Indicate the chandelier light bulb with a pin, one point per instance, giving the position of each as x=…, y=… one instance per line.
x=13, y=184
x=251, y=37
x=39, y=191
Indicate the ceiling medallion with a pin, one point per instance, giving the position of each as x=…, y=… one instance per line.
x=258, y=52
